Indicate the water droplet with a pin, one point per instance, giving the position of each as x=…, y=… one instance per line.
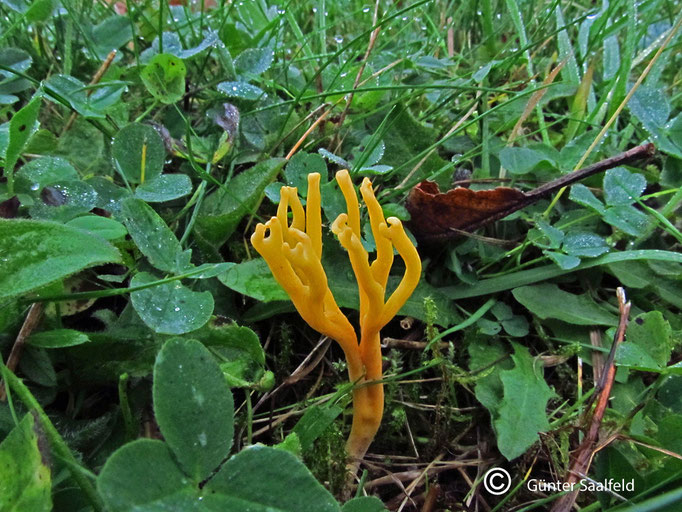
x=338, y=38
x=35, y=186
x=176, y=309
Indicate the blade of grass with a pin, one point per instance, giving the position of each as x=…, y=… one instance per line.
x=535, y=275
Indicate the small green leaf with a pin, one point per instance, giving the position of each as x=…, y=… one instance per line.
x=242, y=359
x=40, y=10
x=674, y=131
x=139, y=474
x=41, y=172
x=241, y=90
x=173, y=45
x=208, y=270
x=364, y=504
x=334, y=158
x=36, y=253
x=58, y=338
x=622, y=187
x=83, y=145
x=62, y=201
x=488, y=327
x=37, y=366
x=522, y=413
x=253, y=61
x=42, y=142
x=520, y=160
x=17, y=60
x=165, y=187
x=193, y=406
x=170, y=308
x=628, y=219
x=546, y=236
x=253, y=279
x=222, y=210
x=72, y=92
x=584, y=196
x=633, y=274
x=564, y=261
x=106, y=228
x=164, y=78
x=516, y=326
x=636, y=357
x=25, y=476
x=110, y=34
x=650, y=105
x=651, y=332
x=314, y=422
x=290, y=444
x=21, y=127
x=585, y=244
x=502, y=311
x=299, y=166
x=483, y=353
x=283, y=483
x=139, y=152
x=548, y=301
x=153, y=237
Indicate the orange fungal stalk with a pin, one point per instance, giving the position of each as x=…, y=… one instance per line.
x=293, y=252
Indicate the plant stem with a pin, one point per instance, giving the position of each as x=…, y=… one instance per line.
x=59, y=446
x=249, y=419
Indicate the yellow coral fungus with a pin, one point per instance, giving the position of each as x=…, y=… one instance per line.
x=293, y=252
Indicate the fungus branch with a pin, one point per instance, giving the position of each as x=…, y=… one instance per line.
x=293, y=252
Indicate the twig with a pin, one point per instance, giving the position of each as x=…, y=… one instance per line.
x=597, y=356
x=525, y=199
x=642, y=151
x=417, y=481
x=307, y=365
x=451, y=39
x=533, y=102
x=431, y=498
x=585, y=452
x=303, y=137
x=30, y=323
x=430, y=471
x=409, y=344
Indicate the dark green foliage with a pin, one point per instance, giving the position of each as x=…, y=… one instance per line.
x=131, y=183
